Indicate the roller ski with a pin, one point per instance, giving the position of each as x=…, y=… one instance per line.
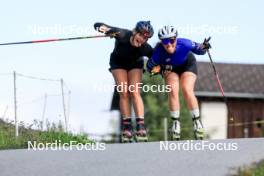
x=127, y=131
x=176, y=130
x=198, y=129
x=141, y=133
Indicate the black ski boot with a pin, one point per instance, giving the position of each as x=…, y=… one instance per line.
x=141, y=133
x=127, y=131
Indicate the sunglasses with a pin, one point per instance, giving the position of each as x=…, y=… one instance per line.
x=168, y=40
x=144, y=35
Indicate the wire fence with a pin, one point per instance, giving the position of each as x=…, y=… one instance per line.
x=18, y=102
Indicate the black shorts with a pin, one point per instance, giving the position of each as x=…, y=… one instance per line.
x=189, y=66
x=128, y=65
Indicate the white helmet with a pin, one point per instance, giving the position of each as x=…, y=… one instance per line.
x=167, y=32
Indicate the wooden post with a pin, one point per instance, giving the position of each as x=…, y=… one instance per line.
x=44, y=111
x=165, y=129
x=15, y=106
x=63, y=106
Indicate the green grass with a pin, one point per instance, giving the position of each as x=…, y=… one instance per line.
x=54, y=132
x=253, y=170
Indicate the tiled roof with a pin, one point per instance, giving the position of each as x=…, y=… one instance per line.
x=243, y=79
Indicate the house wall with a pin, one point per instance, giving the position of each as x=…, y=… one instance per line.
x=245, y=114
x=214, y=118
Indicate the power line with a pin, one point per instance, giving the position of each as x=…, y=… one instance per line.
x=37, y=78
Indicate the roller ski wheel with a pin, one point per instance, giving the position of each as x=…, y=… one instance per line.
x=199, y=134
x=198, y=129
x=141, y=133
x=140, y=138
x=127, y=132
x=176, y=130
x=127, y=137
x=175, y=136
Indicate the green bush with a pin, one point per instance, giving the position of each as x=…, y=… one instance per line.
x=253, y=170
x=54, y=132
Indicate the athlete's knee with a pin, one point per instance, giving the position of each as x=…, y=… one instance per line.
x=188, y=92
x=124, y=95
x=174, y=95
x=174, y=92
x=135, y=94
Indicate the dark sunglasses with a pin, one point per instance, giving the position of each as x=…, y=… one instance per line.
x=144, y=35
x=168, y=40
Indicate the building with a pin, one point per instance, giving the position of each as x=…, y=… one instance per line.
x=242, y=115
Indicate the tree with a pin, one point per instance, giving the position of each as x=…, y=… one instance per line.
x=156, y=108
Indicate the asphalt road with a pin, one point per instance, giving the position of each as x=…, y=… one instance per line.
x=137, y=159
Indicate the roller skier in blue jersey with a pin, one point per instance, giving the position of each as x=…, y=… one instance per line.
x=174, y=58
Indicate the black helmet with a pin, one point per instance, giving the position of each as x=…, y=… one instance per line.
x=145, y=28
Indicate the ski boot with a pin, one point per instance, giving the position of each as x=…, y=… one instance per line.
x=198, y=128
x=127, y=131
x=141, y=133
x=176, y=129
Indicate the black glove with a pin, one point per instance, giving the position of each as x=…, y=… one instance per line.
x=97, y=26
x=206, y=45
x=111, y=31
x=166, y=68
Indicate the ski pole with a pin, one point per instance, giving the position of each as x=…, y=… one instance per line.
x=215, y=72
x=217, y=77
x=56, y=40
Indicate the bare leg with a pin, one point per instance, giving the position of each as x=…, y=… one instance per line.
x=172, y=79
x=134, y=78
x=121, y=78
x=187, y=80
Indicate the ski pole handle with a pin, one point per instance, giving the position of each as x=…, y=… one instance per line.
x=206, y=40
